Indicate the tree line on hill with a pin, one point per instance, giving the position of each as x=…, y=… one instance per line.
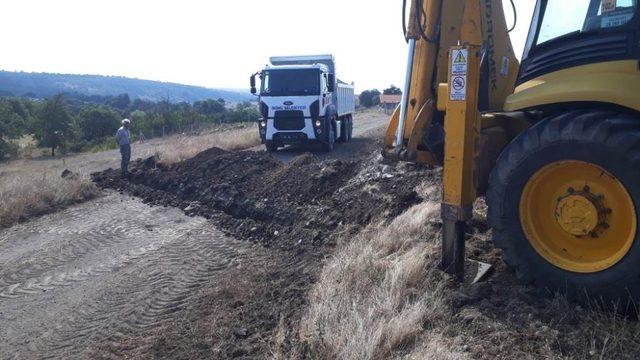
x=81, y=123
x=370, y=98
x=45, y=85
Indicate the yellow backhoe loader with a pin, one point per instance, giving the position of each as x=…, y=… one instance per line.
x=553, y=142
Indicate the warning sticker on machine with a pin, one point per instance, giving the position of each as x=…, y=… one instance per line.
x=459, y=67
x=616, y=20
x=609, y=5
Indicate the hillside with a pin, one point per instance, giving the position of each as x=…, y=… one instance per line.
x=42, y=85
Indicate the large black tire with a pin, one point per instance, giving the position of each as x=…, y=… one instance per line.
x=344, y=130
x=329, y=144
x=607, y=139
x=271, y=146
x=349, y=127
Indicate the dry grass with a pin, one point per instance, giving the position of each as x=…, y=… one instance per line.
x=37, y=195
x=381, y=296
x=372, y=300
x=277, y=348
x=184, y=147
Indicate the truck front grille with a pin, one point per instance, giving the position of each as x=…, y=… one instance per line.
x=289, y=120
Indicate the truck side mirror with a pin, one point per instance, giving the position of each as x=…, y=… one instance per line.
x=252, y=80
x=332, y=82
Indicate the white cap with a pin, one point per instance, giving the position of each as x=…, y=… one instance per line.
x=126, y=121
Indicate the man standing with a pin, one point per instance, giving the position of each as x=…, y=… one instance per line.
x=123, y=137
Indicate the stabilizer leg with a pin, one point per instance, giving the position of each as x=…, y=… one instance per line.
x=453, y=243
x=461, y=129
x=453, y=248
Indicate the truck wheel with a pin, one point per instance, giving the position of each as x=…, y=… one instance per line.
x=344, y=128
x=350, y=128
x=562, y=202
x=330, y=143
x=271, y=146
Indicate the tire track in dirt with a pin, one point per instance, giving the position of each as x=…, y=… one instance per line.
x=168, y=289
x=119, y=279
x=33, y=255
x=94, y=234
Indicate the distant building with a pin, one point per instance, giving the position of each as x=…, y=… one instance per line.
x=388, y=103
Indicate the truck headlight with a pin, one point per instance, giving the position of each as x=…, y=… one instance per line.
x=318, y=123
x=263, y=123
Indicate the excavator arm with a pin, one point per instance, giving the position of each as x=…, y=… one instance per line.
x=461, y=64
x=415, y=131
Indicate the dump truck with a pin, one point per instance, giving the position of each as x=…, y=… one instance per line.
x=552, y=142
x=302, y=101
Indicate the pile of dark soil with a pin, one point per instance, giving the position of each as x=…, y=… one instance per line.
x=298, y=210
x=254, y=196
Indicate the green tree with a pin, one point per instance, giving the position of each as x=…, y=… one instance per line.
x=392, y=90
x=209, y=106
x=98, y=122
x=52, y=123
x=370, y=98
x=12, y=125
x=138, y=120
x=244, y=111
x=120, y=102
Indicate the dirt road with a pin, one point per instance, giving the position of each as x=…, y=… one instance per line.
x=101, y=271
x=85, y=281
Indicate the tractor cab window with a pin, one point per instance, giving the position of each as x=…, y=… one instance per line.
x=568, y=17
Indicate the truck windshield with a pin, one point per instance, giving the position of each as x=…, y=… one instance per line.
x=292, y=82
x=565, y=17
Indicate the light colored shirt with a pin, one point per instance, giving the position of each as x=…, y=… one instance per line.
x=123, y=137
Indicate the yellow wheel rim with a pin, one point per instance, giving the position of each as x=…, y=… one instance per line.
x=578, y=216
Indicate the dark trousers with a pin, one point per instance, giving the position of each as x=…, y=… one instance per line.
x=125, y=151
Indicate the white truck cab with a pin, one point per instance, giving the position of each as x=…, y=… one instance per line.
x=302, y=101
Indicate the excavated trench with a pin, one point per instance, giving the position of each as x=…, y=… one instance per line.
x=296, y=211
x=255, y=197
